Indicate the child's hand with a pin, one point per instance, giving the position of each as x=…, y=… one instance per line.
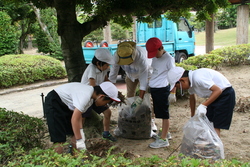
x=80, y=144
x=201, y=110
x=136, y=103
x=172, y=98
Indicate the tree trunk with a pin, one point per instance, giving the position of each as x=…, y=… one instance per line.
x=210, y=34
x=69, y=30
x=107, y=33
x=242, y=24
x=42, y=25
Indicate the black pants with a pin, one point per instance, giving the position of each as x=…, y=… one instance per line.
x=58, y=117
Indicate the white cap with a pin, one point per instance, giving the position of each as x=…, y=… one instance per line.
x=174, y=74
x=110, y=90
x=104, y=55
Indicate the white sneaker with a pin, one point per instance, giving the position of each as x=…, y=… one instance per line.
x=153, y=126
x=158, y=143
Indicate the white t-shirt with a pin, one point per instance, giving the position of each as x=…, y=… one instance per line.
x=203, y=79
x=93, y=72
x=160, y=68
x=139, y=69
x=76, y=95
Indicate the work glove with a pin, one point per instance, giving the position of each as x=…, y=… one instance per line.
x=172, y=98
x=80, y=144
x=136, y=103
x=201, y=110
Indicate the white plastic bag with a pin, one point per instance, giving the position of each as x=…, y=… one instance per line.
x=137, y=124
x=200, y=140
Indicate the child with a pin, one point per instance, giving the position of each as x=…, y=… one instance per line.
x=64, y=107
x=159, y=87
x=210, y=84
x=95, y=74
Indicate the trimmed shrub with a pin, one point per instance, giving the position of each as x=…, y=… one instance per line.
x=234, y=55
x=205, y=61
x=19, y=133
x=24, y=69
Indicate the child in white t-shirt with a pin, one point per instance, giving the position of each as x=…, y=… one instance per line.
x=159, y=87
x=209, y=84
x=95, y=74
x=64, y=107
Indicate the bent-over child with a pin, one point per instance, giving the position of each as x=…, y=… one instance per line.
x=209, y=84
x=64, y=107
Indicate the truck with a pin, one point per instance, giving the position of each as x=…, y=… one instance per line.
x=178, y=39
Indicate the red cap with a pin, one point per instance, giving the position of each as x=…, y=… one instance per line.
x=152, y=46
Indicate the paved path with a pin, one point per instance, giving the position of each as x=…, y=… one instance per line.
x=28, y=98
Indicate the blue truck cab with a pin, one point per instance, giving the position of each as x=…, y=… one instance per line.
x=178, y=39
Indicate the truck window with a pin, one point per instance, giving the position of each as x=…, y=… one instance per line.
x=155, y=24
x=183, y=26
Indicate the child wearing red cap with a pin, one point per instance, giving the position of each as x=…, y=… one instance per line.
x=162, y=62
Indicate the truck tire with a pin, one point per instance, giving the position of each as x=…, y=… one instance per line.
x=104, y=43
x=88, y=44
x=180, y=56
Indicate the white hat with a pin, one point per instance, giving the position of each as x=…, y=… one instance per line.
x=110, y=90
x=174, y=74
x=104, y=55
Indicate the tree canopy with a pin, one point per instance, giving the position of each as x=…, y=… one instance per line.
x=99, y=12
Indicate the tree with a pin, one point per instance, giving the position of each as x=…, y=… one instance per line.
x=8, y=35
x=23, y=16
x=101, y=11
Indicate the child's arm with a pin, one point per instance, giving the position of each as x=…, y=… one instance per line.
x=76, y=122
x=216, y=92
x=92, y=82
x=192, y=103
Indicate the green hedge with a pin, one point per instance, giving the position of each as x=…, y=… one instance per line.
x=25, y=69
x=19, y=133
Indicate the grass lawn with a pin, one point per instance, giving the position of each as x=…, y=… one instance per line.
x=225, y=37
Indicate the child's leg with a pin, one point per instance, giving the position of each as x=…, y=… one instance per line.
x=217, y=131
x=106, y=119
x=58, y=147
x=165, y=128
x=131, y=87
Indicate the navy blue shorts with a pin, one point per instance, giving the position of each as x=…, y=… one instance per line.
x=220, y=112
x=97, y=109
x=160, y=101
x=58, y=117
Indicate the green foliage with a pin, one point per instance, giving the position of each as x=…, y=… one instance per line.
x=186, y=66
x=226, y=18
x=204, y=61
x=38, y=157
x=23, y=69
x=8, y=35
x=234, y=55
x=19, y=133
x=44, y=45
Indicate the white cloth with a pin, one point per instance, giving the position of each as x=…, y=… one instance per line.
x=201, y=80
x=76, y=95
x=93, y=72
x=160, y=68
x=139, y=69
